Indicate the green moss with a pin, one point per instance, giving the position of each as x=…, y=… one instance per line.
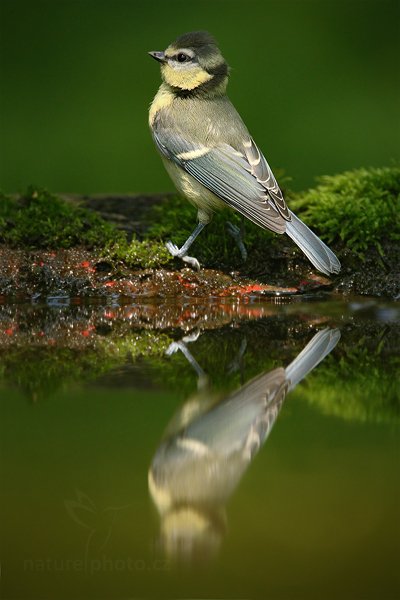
x=147, y=254
x=359, y=207
x=38, y=219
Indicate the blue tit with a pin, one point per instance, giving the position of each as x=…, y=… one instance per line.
x=209, y=153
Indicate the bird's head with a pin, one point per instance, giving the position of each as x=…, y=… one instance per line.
x=193, y=65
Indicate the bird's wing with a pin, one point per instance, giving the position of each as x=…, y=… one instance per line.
x=242, y=179
x=264, y=175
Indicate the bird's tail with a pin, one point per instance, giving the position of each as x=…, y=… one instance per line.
x=320, y=346
x=316, y=251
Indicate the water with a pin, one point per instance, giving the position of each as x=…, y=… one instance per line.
x=166, y=450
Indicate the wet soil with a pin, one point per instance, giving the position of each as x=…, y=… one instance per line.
x=26, y=275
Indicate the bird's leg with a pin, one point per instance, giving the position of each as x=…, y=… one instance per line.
x=237, y=362
x=237, y=234
x=182, y=346
x=182, y=252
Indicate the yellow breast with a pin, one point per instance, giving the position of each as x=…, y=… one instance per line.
x=162, y=99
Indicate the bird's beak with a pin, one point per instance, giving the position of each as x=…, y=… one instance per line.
x=160, y=56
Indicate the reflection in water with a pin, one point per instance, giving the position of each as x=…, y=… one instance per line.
x=211, y=442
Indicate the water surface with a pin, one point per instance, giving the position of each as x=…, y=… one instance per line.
x=171, y=450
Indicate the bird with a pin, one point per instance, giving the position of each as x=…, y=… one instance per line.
x=209, y=154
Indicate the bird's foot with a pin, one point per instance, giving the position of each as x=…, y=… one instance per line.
x=179, y=253
x=181, y=344
x=173, y=347
x=236, y=233
x=192, y=337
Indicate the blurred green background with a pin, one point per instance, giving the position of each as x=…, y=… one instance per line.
x=315, y=81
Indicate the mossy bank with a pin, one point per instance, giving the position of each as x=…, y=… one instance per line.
x=355, y=212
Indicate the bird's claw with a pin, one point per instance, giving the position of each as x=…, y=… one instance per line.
x=175, y=346
x=193, y=262
x=176, y=252
x=172, y=348
x=192, y=337
x=173, y=249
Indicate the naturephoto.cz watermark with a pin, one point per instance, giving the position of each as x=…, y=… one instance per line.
x=94, y=565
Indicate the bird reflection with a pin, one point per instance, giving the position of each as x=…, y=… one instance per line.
x=211, y=442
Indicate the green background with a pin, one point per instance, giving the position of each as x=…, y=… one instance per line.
x=315, y=81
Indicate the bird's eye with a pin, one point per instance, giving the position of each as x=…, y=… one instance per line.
x=182, y=57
